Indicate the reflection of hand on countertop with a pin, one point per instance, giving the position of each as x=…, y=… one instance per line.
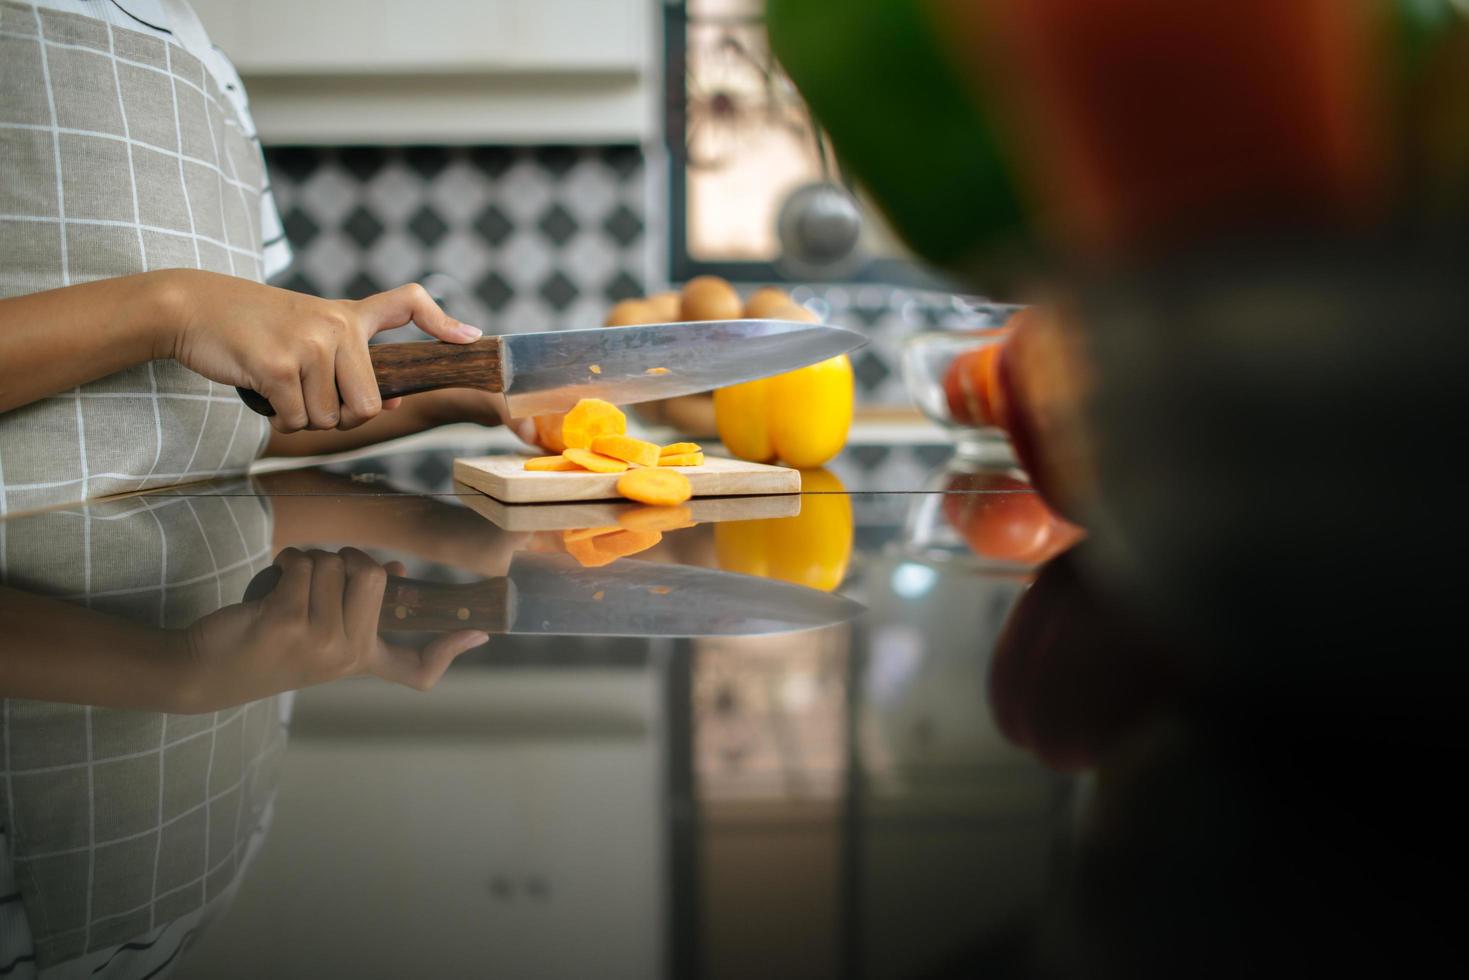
x=318, y=624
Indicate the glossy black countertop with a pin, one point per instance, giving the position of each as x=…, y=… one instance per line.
x=922, y=734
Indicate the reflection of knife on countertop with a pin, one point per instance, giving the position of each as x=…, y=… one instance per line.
x=551, y=371
x=549, y=594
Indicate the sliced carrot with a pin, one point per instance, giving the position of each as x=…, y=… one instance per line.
x=582, y=533
x=620, y=544
x=660, y=589
x=656, y=370
x=682, y=459
x=628, y=449
x=595, y=369
x=657, y=518
x=595, y=462
x=590, y=418
x=679, y=448
x=550, y=464
x=655, y=486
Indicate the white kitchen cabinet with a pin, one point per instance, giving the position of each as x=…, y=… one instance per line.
x=444, y=71
x=434, y=37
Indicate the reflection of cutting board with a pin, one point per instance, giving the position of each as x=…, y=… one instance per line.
x=506, y=478
x=606, y=513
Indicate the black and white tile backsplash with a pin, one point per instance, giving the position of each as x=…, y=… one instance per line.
x=509, y=239
x=535, y=238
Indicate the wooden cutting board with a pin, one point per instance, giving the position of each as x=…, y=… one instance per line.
x=606, y=513
x=506, y=478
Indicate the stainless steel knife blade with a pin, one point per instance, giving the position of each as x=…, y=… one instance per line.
x=551, y=371
x=553, y=594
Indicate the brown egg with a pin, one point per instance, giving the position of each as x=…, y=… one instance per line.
x=667, y=307
x=792, y=311
x=710, y=298
x=630, y=313
x=764, y=301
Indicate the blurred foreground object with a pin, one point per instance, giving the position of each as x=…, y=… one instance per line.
x=1004, y=137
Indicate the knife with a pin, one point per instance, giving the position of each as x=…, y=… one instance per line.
x=553, y=370
x=550, y=594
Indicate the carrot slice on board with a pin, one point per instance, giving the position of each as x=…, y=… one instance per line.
x=655, y=486
x=595, y=462
x=682, y=459
x=628, y=449
x=679, y=448
x=550, y=464
x=590, y=418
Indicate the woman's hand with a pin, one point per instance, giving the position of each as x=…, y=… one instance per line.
x=307, y=355
x=450, y=405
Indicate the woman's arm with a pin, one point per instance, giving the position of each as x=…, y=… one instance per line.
x=417, y=413
x=308, y=356
x=53, y=341
x=57, y=651
x=319, y=624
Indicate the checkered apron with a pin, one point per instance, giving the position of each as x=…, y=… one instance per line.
x=121, y=153
x=123, y=830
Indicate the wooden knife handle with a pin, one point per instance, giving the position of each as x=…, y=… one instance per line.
x=406, y=369
x=412, y=605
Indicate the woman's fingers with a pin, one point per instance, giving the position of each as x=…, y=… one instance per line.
x=319, y=386
x=285, y=396
x=421, y=670
x=413, y=304
x=525, y=431
x=356, y=384
x=366, y=580
x=328, y=584
x=291, y=593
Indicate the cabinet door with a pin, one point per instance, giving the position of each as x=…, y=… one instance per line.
x=287, y=37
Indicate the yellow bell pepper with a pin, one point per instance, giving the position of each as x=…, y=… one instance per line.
x=800, y=418
x=810, y=549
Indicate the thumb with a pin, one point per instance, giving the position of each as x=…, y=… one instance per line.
x=413, y=304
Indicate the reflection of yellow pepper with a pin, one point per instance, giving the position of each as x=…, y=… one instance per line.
x=810, y=549
x=800, y=417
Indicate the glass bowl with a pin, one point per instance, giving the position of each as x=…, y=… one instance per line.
x=935, y=385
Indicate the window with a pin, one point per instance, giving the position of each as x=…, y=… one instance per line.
x=755, y=193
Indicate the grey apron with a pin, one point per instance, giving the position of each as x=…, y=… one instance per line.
x=123, y=829
x=120, y=154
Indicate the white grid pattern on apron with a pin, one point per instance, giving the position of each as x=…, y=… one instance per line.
x=123, y=155
x=80, y=836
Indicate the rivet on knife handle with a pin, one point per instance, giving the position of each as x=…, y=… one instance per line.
x=406, y=369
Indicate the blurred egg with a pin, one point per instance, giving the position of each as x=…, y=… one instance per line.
x=631, y=312
x=765, y=301
x=710, y=298
x=791, y=311
x=667, y=307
